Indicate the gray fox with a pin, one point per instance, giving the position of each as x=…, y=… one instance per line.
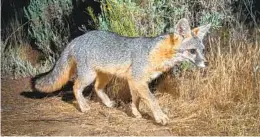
x=97, y=55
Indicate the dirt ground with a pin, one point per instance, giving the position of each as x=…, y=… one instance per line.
x=25, y=112
x=28, y=113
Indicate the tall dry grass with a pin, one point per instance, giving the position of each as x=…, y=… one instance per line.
x=222, y=99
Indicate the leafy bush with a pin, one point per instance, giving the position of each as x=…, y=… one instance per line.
x=120, y=17
x=14, y=63
x=154, y=17
x=14, y=53
x=48, y=26
x=48, y=29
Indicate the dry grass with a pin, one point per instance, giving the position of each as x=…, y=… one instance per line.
x=220, y=100
x=226, y=95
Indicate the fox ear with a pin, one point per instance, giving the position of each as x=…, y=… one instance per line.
x=201, y=31
x=183, y=27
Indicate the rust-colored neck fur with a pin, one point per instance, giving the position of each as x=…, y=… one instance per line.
x=165, y=50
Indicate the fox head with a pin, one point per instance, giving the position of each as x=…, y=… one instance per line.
x=191, y=47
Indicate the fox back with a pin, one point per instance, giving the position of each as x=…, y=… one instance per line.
x=109, y=52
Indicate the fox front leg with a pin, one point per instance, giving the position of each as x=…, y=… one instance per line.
x=143, y=91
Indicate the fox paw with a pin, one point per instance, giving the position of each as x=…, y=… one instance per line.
x=84, y=109
x=110, y=104
x=136, y=113
x=83, y=106
x=161, y=119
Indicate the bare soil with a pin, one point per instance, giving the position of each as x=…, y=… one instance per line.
x=25, y=112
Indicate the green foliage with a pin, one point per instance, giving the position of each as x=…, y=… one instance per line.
x=13, y=63
x=47, y=26
x=90, y=12
x=120, y=17
x=155, y=17
x=129, y=19
x=215, y=19
x=186, y=65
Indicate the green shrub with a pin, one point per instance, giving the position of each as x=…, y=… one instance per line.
x=48, y=26
x=14, y=64
x=120, y=17
x=156, y=17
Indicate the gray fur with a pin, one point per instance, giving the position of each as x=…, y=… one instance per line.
x=105, y=49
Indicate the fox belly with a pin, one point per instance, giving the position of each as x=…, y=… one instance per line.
x=121, y=71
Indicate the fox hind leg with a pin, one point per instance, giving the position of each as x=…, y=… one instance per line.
x=135, y=105
x=100, y=84
x=135, y=101
x=80, y=83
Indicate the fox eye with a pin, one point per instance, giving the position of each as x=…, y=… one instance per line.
x=192, y=51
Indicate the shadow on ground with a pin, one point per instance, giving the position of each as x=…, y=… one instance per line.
x=66, y=93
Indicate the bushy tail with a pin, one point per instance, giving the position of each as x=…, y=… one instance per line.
x=59, y=76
